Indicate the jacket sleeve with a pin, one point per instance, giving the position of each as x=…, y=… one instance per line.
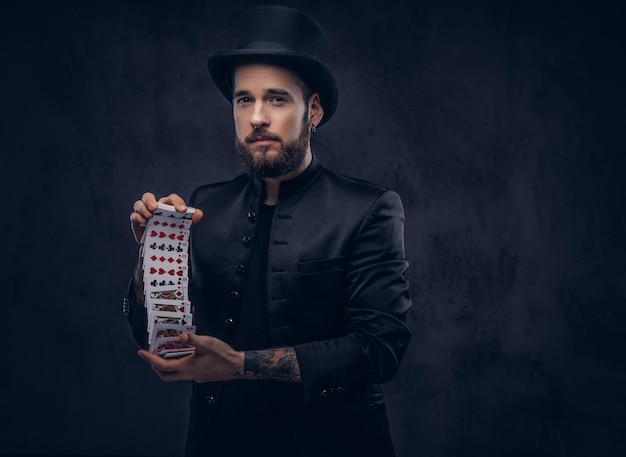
x=378, y=300
x=136, y=314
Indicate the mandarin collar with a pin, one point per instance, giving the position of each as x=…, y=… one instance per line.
x=293, y=186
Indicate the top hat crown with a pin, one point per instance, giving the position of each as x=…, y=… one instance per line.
x=284, y=37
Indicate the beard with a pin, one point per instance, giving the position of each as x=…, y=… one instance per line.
x=288, y=158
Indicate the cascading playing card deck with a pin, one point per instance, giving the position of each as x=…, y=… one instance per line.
x=166, y=279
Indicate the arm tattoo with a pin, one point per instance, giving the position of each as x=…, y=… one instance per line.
x=278, y=363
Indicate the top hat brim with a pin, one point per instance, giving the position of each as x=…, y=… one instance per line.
x=313, y=72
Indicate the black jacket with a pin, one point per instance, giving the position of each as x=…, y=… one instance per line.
x=335, y=290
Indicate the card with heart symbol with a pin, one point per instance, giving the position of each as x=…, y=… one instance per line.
x=166, y=280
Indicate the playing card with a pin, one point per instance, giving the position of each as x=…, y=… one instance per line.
x=165, y=234
x=169, y=282
x=164, y=317
x=169, y=348
x=166, y=271
x=164, y=259
x=167, y=245
x=170, y=211
x=166, y=293
x=172, y=276
x=170, y=223
x=166, y=280
x=170, y=306
x=158, y=222
x=166, y=339
x=171, y=331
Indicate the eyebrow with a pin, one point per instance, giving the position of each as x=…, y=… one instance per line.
x=270, y=91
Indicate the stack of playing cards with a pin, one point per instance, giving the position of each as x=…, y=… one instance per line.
x=166, y=278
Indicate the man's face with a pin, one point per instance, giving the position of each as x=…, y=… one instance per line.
x=271, y=120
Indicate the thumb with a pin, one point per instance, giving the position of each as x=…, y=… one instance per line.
x=189, y=338
x=196, y=216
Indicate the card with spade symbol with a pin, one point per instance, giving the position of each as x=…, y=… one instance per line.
x=169, y=211
x=166, y=280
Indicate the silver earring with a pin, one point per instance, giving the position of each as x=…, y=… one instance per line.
x=313, y=130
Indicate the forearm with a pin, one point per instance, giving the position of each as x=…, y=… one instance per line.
x=354, y=360
x=280, y=364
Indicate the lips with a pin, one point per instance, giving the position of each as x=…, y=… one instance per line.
x=261, y=135
x=256, y=139
x=262, y=142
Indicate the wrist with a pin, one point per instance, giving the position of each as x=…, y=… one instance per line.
x=239, y=359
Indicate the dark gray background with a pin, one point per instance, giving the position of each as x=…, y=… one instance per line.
x=499, y=122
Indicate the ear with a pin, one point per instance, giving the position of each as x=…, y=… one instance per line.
x=316, y=112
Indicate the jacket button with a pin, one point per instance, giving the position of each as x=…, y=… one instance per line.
x=240, y=269
x=252, y=216
x=210, y=399
x=229, y=321
x=125, y=306
x=235, y=295
x=246, y=241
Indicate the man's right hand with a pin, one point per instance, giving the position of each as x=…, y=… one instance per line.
x=144, y=209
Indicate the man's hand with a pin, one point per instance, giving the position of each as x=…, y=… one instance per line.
x=144, y=209
x=213, y=360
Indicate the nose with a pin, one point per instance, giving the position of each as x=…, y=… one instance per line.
x=258, y=116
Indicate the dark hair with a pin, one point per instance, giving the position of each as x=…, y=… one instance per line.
x=306, y=89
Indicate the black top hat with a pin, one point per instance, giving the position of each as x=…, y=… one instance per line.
x=285, y=37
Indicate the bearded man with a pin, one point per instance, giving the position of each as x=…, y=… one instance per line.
x=297, y=275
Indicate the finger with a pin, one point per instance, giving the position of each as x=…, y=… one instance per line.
x=137, y=225
x=197, y=216
x=140, y=207
x=187, y=338
x=199, y=343
x=138, y=219
x=146, y=356
x=176, y=201
x=168, y=370
x=149, y=200
x=159, y=363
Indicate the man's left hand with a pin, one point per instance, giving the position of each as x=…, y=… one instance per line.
x=213, y=360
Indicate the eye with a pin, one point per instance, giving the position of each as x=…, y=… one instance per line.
x=243, y=101
x=278, y=100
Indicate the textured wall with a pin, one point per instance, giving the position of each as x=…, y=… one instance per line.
x=500, y=124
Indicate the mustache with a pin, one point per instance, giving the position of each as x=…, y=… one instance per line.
x=261, y=132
